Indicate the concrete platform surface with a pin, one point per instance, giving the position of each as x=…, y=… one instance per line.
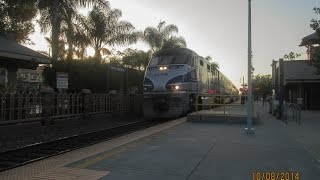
x=202, y=151
x=233, y=113
x=199, y=151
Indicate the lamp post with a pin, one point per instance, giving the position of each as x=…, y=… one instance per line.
x=249, y=129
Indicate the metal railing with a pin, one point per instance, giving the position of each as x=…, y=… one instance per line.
x=296, y=112
x=213, y=101
x=28, y=107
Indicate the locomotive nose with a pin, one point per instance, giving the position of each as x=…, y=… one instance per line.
x=161, y=106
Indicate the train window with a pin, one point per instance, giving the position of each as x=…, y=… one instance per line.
x=201, y=62
x=192, y=61
x=154, y=61
x=166, y=59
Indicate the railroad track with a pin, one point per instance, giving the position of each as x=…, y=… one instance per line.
x=27, y=154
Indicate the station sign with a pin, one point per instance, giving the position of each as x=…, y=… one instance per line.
x=62, y=80
x=121, y=69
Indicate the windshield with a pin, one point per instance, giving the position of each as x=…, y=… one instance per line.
x=170, y=59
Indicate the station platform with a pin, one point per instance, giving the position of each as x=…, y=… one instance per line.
x=233, y=113
x=180, y=150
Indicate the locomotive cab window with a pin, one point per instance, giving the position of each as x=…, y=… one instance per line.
x=167, y=59
x=201, y=62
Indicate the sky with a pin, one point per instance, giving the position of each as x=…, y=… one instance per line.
x=219, y=28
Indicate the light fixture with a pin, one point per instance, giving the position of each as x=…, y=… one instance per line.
x=162, y=68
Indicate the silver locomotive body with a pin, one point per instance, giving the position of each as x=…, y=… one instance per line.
x=174, y=78
x=169, y=81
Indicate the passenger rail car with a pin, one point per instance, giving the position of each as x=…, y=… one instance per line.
x=175, y=77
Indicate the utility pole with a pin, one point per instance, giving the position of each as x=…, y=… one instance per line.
x=249, y=129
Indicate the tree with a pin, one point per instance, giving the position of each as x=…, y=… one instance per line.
x=16, y=19
x=262, y=85
x=291, y=56
x=315, y=25
x=61, y=46
x=137, y=59
x=162, y=37
x=80, y=42
x=104, y=27
x=53, y=12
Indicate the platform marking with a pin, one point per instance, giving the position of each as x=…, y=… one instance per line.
x=110, y=153
x=68, y=173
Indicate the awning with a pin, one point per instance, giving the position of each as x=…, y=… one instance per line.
x=302, y=81
x=313, y=38
x=13, y=50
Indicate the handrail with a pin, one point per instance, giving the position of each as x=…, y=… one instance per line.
x=221, y=101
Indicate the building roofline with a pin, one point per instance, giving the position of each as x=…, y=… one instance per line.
x=11, y=49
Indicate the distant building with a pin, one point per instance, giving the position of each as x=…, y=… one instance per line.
x=30, y=79
x=295, y=81
x=311, y=42
x=14, y=56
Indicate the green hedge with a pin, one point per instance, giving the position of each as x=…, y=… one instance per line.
x=95, y=76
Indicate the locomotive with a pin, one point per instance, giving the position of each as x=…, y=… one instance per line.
x=174, y=78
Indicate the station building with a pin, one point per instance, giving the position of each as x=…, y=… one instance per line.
x=296, y=81
x=18, y=62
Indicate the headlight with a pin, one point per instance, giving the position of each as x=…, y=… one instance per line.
x=174, y=87
x=174, y=84
x=162, y=68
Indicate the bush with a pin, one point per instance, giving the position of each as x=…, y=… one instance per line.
x=95, y=76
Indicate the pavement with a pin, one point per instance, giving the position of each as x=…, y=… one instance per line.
x=201, y=151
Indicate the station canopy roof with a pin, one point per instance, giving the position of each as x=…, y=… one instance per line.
x=313, y=38
x=12, y=50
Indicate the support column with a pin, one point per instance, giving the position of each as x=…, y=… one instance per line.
x=86, y=102
x=249, y=129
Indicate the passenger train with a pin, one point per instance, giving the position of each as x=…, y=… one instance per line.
x=174, y=78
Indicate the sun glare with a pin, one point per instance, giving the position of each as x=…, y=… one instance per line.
x=90, y=51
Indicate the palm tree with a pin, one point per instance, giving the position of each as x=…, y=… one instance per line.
x=105, y=29
x=80, y=41
x=53, y=12
x=134, y=58
x=162, y=37
x=62, y=53
x=212, y=63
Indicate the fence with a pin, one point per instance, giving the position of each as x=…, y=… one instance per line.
x=26, y=107
x=221, y=102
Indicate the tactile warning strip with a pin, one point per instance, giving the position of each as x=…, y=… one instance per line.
x=34, y=169
x=67, y=173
